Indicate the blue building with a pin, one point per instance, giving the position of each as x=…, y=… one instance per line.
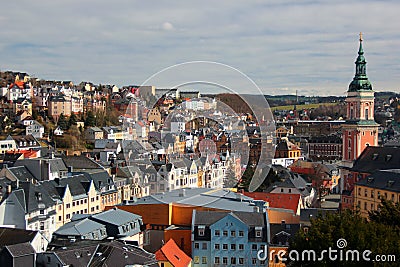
x=229, y=238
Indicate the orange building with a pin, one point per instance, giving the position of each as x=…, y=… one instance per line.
x=169, y=215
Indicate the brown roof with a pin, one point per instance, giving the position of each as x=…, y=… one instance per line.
x=11, y=236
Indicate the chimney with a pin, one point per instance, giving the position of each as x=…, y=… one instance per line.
x=70, y=171
x=9, y=189
x=182, y=192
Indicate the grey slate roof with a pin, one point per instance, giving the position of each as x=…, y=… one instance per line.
x=377, y=158
x=78, y=185
x=385, y=180
x=20, y=249
x=78, y=254
x=108, y=254
x=34, y=196
x=212, y=198
x=116, y=217
x=293, y=181
x=80, y=162
x=22, y=173
x=57, y=165
x=211, y=217
x=77, y=228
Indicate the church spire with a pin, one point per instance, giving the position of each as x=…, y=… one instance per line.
x=360, y=50
x=360, y=80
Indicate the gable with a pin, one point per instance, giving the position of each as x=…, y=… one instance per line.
x=228, y=220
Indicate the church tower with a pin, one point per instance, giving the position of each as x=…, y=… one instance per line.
x=360, y=129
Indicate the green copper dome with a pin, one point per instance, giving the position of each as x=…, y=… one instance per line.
x=360, y=80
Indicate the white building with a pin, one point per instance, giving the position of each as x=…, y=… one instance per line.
x=35, y=129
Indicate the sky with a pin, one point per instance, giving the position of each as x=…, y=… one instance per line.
x=282, y=45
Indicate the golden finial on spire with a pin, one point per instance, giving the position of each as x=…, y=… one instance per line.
x=361, y=37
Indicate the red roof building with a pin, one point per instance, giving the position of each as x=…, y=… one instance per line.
x=279, y=200
x=171, y=255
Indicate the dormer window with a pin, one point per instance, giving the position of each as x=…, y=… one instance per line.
x=201, y=229
x=258, y=231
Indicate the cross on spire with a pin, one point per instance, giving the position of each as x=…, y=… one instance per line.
x=361, y=39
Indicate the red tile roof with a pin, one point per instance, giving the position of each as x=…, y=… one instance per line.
x=173, y=254
x=277, y=200
x=18, y=83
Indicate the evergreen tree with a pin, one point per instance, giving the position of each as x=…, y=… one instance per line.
x=90, y=119
x=72, y=120
x=62, y=122
x=378, y=235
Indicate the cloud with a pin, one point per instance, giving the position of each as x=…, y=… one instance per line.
x=167, y=26
x=304, y=45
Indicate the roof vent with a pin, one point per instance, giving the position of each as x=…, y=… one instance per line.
x=390, y=183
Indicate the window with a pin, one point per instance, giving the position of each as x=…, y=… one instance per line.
x=196, y=259
x=216, y=246
x=204, y=260
x=59, y=218
x=258, y=231
x=68, y=216
x=253, y=261
x=233, y=233
x=233, y=260
x=225, y=260
x=196, y=245
x=254, y=247
x=68, y=206
x=216, y=260
x=204, y=246
x=241, y=261
x=225, y=233
x=233, y=246
x=241, y=247
x=241, y=233
x=217, y=233
x=365, y=206
x=225, y=246
x=201, y=230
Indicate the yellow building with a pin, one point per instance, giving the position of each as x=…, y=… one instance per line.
x=59, y=105
x=369, y=191
x=76, y=201
x=21, y=105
